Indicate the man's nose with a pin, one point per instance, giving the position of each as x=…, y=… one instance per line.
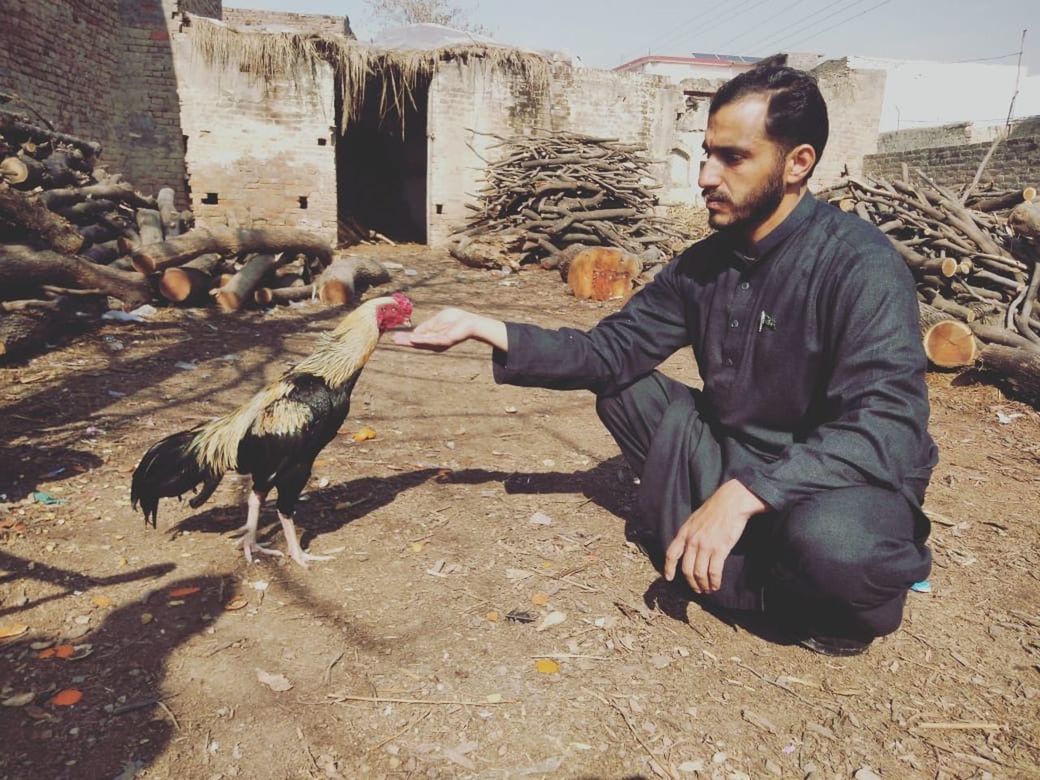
x=709, y=175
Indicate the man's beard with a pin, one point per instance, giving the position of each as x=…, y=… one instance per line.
x=753, y=210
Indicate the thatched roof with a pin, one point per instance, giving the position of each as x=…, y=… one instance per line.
x=279, y=55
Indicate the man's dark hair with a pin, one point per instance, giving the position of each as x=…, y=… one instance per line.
x=797, y=113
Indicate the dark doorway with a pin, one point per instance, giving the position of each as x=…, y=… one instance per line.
x=381, y=163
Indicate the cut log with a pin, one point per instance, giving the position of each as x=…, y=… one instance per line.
x=602, y=274
x=13, y=170
x=29, y=212
x=346, y=279
x=1024, y=219
x=191, y=282
x=13, y=123
x=996, y=334
x=267, y=296
x=950, y=307
x=239, y=289
x=103, y=253
x=150, y=258
x=27, y=330
x=492, y=252
x=1007, y=201
x=87, y=211
x=116, y=192
x=169, y=216
x=950, y=344
x=1019, y=368
x=24, y=270
x=149, y=226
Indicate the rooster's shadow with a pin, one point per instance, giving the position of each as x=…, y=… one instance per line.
x=318, y=512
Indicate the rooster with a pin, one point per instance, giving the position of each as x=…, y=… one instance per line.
x=276, y=435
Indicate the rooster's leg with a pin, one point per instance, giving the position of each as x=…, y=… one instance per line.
x=295, y=551
x=248, y=539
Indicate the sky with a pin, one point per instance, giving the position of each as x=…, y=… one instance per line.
x=606, y=33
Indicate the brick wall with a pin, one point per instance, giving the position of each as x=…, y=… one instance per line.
x=253, y=151
x=103, y=70
x=285, y=22
x=1014, y=165
x=469, y=101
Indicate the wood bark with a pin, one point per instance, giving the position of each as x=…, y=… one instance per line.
x=24, y=270
x=1019, y=368
x=29, y=212
x=150, y=258
x=149, y=227
x=267, y=296
x=347, y=278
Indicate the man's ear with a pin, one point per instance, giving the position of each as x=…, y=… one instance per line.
x=799, y=164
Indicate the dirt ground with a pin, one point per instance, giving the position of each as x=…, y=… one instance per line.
x=473, y=501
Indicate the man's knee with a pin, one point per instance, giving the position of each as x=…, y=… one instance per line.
x=853, y=546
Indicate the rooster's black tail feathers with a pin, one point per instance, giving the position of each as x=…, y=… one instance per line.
x=169, y=468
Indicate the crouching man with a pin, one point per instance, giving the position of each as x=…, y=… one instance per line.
x=793, y=482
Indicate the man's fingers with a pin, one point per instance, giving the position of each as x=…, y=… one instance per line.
x=674, y=553
x=715, y=567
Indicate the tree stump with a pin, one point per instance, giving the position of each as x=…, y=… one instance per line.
x=601, y=274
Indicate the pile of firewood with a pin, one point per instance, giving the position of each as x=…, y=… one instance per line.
x=72, y=236
x=552, y=191
x=975, y=266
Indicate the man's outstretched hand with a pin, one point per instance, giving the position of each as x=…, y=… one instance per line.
x=452, y=326
x=706, y=539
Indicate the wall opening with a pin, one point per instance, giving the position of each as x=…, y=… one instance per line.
x=381, y=165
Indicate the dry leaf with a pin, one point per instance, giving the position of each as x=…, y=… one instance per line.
x=179, y=593
x=236, y=603
x=276, y=682
x=67, y=697
x=12, y=629
x=364, y=434
x=540, y=599
x=19, y=699
x=493, y=616
x=146, y=618
x=552, y=619
x=547, y=666
x=101, y=601
x=417, y=547
x=61, y=651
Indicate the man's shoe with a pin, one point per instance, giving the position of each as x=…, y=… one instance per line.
x=841, y=647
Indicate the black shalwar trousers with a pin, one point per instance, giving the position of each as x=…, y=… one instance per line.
x=838, y=563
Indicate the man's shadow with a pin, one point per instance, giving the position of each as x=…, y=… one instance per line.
x=121, y=721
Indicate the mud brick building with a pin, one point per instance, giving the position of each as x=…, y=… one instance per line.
x=307, y=148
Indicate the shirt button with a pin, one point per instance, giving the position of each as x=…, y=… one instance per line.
x=734, y=323
x=745, y=285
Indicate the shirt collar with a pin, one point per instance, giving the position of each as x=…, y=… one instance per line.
x=780, y=233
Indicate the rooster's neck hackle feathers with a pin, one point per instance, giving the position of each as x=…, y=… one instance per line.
x=340, y=354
